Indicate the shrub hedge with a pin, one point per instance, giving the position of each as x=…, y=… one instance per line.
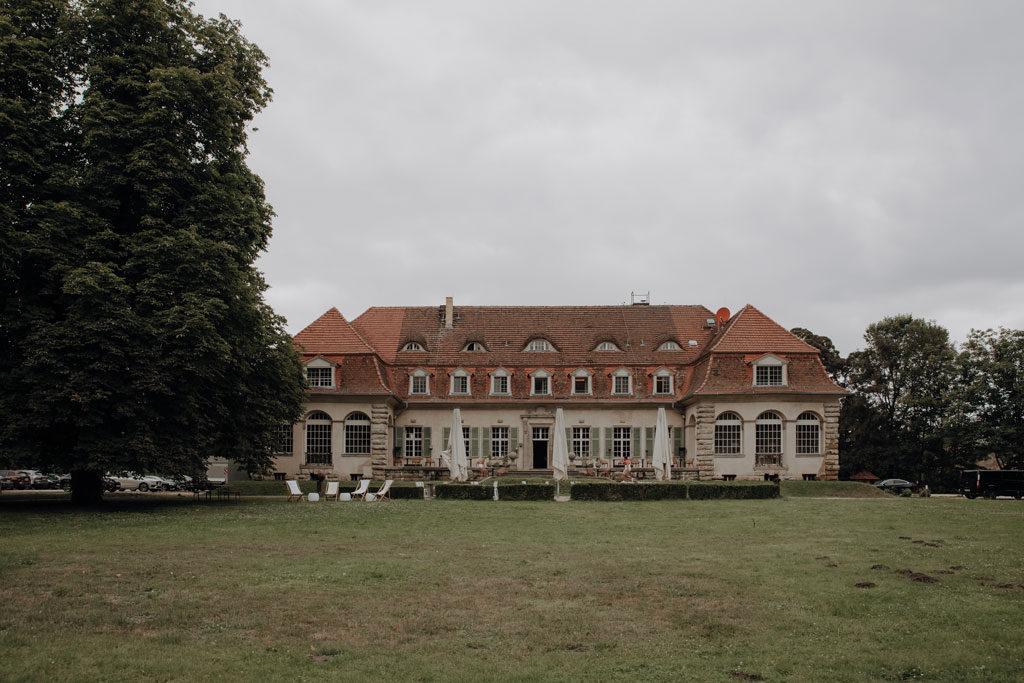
x=672, y=490
x=527, y=491
x=463, y=492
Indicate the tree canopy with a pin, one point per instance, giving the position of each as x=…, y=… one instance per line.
x=134, y=324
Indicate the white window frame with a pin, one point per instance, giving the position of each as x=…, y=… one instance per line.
x=619, y=374
x=499, y=441
x=607, y=346
x=319, y=438
x=415, y=374
x=768, y=438
x=284, y=439
x=413, y=346
x=501, y=374
x=413, y=446
x=622, y=446
x=580, y=442
x=540, y=374
x=808, y=434
x=463, y=376
x=770, y=361
x=357, y=420
x=728, y=434
x=670, y=345
x=663, y=373
x=539, y=344
x=584, y=375
x=467, y=348
x=320, y=364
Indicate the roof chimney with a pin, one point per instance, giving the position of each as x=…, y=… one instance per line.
x=448, y=312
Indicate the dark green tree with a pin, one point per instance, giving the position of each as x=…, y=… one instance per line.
x=902, y=379
x=835, y=365
x=151, y=347
x=990, y=397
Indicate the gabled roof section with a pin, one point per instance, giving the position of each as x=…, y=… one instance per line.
x=751, y=331
x=331, y=334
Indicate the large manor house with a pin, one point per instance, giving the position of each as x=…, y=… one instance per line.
x=745, y=398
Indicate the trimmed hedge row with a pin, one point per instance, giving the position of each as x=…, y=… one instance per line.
x=463, y=492
x=673, y=490
x=527, y=491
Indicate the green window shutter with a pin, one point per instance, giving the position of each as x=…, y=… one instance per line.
x=474, y=442
x=595, y=442
x=649, y=433
x=400, y=440
x=444, y=435
x=677, y=440
x=634, y=452
x=513, y=439
x=608, y=442
x=568, y=438
x=426, y=442
x=487, y=442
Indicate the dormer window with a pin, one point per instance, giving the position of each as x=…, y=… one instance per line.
x=500, y=381
x=769, y=371
x=622, y=382
x=540, y=383
x=419, y=382
x=474, y=346
x=460, y=383
x=663, y=384
x=539, y=345
x=320, y=374
x=670, y=346
x=607, y=346
x=581, y=382
x=413, y=346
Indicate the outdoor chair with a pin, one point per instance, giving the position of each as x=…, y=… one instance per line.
x=332, y=491
x=360, y=491
x=294, y=492
x=384, y=492
x=604, y=468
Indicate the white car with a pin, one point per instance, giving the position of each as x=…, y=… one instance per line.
x=132, y=481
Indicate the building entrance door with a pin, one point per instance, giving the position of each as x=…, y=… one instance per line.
x=540, y=448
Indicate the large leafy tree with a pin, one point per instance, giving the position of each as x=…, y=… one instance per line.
x=835, y=364
x=895, y=424
x=990, y=397
x=133, y=312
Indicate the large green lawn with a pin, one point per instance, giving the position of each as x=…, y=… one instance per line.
x=451, y=590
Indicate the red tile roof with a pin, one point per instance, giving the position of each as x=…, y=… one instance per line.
x=733, y=373
x=356, y=375
x=750, y=331
x=330, y=334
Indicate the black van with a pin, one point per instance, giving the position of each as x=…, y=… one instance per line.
x=992, y=483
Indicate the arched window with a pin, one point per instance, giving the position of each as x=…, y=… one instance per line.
x=413, y=346
x=474, y=346
x=607, y=346
x=539, y=345
x=318, y=438
x=808, y=434
x=669, y=346
x=728, y=433
x=357, y=434
x=768, y=439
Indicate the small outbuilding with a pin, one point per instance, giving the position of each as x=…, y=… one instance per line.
x=865, y=476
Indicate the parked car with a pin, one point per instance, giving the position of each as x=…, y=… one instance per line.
x=45, y=481
x=64, y=480
x=992, y=483
x=896, y=485
x=130, y=481
x=14, y=479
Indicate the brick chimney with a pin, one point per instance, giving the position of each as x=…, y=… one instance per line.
x=448, y=315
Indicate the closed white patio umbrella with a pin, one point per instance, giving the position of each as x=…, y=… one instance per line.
x=560, y=455
x=458, y=466
x=662, y=456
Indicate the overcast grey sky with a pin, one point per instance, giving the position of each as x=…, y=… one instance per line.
x=831, y=163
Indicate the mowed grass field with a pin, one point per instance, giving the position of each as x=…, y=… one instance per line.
x=174, y=590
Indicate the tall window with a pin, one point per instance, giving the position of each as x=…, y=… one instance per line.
x=621, y=442
x=499, y=384
x=414, y=442
x=768, y=439
x=728, y=429
x=357, y=434
x=768, y=375
x=319, y=377
x=663, y=383
x=419, y=383
x=581, y=442
x=581, y=384
x=318, y=438
x=621, y=384
x=460, y=384
x=283, y=439
x=499, y=442
x=540, y=384
x=808, y=434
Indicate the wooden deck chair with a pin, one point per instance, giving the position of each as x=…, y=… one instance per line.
x=332, y=491
x=360, y=491
x=294, y=492
x=384, y=492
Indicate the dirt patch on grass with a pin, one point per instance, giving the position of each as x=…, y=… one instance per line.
x=745, y=676
x=1008, y=586
x=879, y=566
x=864, y=584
